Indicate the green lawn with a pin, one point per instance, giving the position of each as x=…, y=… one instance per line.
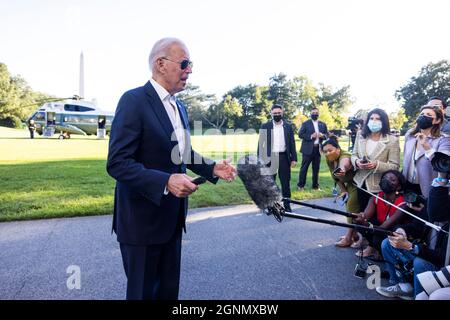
x=48, y=178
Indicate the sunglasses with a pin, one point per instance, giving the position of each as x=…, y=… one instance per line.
x=183, y=64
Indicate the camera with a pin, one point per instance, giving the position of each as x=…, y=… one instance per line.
x=441, y=163
x=354, y=123
x=414, y=199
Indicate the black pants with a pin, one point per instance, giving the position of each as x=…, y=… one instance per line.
x=363, y=198
x=306, y=161
x=284, y=171
x=153, y=271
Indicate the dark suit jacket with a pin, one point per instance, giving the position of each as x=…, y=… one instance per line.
x=139, y=159
x=266, y=140
x=305, y=132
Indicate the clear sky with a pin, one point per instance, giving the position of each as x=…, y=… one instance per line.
x=374, y=46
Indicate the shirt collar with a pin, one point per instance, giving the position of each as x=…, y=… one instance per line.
x=277, y=125
x=160, y=90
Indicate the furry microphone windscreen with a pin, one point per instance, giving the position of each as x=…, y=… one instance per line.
x=258, y=181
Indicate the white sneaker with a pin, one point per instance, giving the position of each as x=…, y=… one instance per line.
x=396, y=291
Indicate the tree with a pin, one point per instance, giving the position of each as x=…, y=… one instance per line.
x=304, y=94
x=225, y=112
x=338, y=100
x=433, y=80
x=397, y=119
x=17, y=99
x=196, y=102
x=326, y=116
x=281, y=91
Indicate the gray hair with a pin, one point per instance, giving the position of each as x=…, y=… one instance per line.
x=161, y=49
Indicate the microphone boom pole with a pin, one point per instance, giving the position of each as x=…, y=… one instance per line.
x=335, y=223
x=429, y=224
x=314, y=206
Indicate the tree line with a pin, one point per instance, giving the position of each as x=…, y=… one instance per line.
x=248, y=106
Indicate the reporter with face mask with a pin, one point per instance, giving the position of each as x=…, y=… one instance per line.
x=421, y=143
x=415, y=248
x=312, y=133
x=381, y=214
x=341, y=169
x=276, y=148
x=376, y=151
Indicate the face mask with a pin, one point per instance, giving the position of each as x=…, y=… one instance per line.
x=386, y=186
x=424, y=122
x=374, y=125
x=314, y=117
x=332, y=156
x=277, y=118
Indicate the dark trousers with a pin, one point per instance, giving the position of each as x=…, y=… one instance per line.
x=306, y=161
x=284, y=171
x=363, y=198
x=153, y=271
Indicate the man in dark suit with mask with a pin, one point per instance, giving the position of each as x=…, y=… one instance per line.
x=276, y=148
x=149, y=153
x=312, y=133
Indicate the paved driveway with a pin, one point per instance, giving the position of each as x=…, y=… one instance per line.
x=228, y=253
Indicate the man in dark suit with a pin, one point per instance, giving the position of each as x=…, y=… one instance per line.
x=276, y=147
x=312, y=133
x=149, y=152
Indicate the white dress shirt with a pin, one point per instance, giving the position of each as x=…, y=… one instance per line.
x=279, y=144
x=316, y=129
x=170, y=105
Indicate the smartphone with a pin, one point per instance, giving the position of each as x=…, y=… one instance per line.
x=337, y=170
x=364, y=160
x=199, y=180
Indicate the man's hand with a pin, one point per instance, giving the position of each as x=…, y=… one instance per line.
x=224, y=170
x=180, y=185
x=293, y=164
x=314, y=135
x=321, y=135
x=399, y=240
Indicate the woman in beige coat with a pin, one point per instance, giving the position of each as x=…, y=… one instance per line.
x=376, y=151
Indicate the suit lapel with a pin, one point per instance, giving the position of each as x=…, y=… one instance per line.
x=379, y=148
x=286, y=135
x=159, y=110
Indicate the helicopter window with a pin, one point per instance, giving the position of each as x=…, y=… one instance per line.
x=74, y=107
x=89, y=119
x=39, y=116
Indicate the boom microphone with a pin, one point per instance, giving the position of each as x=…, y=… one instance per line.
x=266, y=195
x=259, y=184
